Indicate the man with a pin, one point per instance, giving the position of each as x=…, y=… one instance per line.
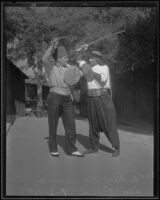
x=100, y=108
x=59, y=99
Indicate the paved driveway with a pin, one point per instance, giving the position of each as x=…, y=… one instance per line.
x=32, y=171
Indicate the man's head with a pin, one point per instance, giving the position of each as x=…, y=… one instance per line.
x=93, y=61
x=62, y=56
x=96, y=58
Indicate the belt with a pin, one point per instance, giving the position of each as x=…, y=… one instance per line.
x=97, y=92
x=59, y=94
x=63, y=91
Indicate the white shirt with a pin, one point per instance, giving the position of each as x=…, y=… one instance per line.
x=105, y=77
x=103, y=70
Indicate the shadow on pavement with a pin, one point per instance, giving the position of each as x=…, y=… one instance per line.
x=60, y=142
x=137, y=127
x=83, y=140
x=10, y=119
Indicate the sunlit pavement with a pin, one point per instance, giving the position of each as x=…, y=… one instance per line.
x=32, y=171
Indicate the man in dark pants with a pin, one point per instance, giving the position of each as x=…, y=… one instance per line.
x=59, y=99
x=101, y=110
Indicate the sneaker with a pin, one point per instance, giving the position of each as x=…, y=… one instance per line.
x=89, y=151
x=55, y=154
x=77, y=154
x=115, y=153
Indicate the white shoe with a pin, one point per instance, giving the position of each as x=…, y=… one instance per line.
x=56, y=154
x=77, y=153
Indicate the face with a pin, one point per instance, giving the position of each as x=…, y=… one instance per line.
x=63, y=61
x=93, y=61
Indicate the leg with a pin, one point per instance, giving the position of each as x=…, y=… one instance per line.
x=53, y=117
x=110, y=125
x=111, y=130
x=106, y=115
x=113, y=133
x=94, y=140
x=69, y=125
x=102, y=115
x=94, y=136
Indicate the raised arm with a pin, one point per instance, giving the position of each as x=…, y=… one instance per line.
x=91, y=75
x=47, y=59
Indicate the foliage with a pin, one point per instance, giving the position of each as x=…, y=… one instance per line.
x=29, y=30
x=34, y=27
x=136, y=46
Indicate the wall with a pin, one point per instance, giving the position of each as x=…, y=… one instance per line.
x=15, y=94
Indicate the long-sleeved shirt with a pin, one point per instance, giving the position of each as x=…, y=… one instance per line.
x=55, y=75
x=103, y=71
x=105, y=77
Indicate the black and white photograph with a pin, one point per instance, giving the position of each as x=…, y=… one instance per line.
x=80, y=99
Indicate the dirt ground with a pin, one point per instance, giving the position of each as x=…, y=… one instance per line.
x=32, y=171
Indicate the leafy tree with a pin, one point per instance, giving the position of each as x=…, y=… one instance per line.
x=32, y=28
x=136, y=46
x=28, y=31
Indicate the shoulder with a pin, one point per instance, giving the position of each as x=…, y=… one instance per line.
x=101, y=67
x=98, y=69
x=105, y=67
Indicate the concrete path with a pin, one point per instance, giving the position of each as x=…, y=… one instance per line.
x=32, y=171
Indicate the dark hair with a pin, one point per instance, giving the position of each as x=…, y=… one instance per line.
x=64, y=42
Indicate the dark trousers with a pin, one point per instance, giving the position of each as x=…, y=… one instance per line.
x=102, y=118
x=61, y=105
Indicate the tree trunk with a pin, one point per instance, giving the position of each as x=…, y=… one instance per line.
x=39, y=111
x=40, y=81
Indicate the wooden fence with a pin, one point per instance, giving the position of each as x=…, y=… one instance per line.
x=133, y=94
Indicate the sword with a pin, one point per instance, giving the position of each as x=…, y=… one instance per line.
x=101, y=39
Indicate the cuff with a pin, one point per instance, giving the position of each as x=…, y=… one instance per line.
x=81, y=63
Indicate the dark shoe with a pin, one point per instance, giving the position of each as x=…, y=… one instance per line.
x=55, y=154
x=116, y=153
x=77, y=154
x=89, y=151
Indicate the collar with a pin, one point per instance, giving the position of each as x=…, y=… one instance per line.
x=61, y=68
